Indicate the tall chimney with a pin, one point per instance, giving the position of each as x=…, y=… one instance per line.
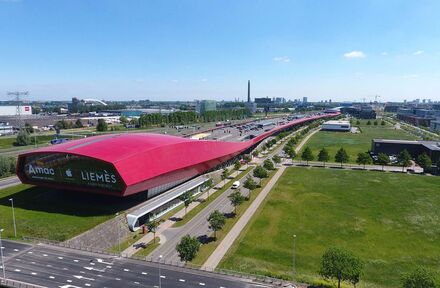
x=249, y=91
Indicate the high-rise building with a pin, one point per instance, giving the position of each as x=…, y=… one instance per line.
x=305, y=100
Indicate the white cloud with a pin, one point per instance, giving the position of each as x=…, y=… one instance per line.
x=384, y=53
x=355, y=54
x=418, y=52
x=284, y=59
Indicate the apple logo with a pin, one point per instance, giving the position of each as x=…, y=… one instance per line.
x=69, y=173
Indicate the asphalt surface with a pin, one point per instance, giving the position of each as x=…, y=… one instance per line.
x=198, y=226
x=49, y=266
x=9, y=181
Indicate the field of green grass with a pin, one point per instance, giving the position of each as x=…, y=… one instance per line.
x=390, y=220
x=54, y=214
x=354, y=143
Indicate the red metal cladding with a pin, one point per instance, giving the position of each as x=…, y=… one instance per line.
x=144, y=160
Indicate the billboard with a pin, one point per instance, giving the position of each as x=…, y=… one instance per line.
x=72, y=170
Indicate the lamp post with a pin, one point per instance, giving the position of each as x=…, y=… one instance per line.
x=160, y=276
x=3, y=261
x=13, y=217
x=119, y=234
x=294, y=252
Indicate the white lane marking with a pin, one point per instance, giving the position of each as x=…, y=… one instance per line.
x=82, y=277
x=137, y=283
x=30, y=252
x=162, y=276
x=17, y=270
x=45, y=255
x=87, y=284
x=16, y=250
x=126, y=270
x=91, y=268
x=65, y=269
x=102, y=261
x=48, y=265
x=18, y=259
x=61, y=258
x=33, y=273
x=118, y=279
x=51, y=277
x=109, y=267
x=144, y=273
x=91, y=263
x=202, y=284
x=76, y=261
x=33, y=263
x=182, y=280
x=70, y=281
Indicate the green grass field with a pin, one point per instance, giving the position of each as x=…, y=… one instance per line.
x=351, y=142
x=53, y=214
x=390, y=220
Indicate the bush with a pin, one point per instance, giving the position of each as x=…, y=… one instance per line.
x=7, y=166
x=23, y=138
x=102, y=125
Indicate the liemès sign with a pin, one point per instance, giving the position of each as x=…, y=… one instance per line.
x=72, y=169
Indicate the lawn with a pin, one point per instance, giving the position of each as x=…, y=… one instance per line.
x=54, y=214
x=354, y=143
x=390, y=220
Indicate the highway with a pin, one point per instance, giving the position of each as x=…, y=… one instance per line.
x=50, y=266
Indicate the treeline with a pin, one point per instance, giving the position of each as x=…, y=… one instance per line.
x=182, y=118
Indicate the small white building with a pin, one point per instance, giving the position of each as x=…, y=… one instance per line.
x=336, y=125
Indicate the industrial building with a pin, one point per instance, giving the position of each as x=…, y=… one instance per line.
x=336, y=125
x=206, y=105
x=414, y=147
x=13, y=110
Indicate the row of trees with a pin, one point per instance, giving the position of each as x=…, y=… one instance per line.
x=341, y=156
x=344, y=266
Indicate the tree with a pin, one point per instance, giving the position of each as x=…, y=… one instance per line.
x=152, y=227
x=363, y=159
x=404, y=159
x=225, y=174
x=276, y=159
x=268, y=165
x=216, y=221
x=260, y=172
x=341, y=265
x=342, y=156
x=237, y=165
x=382, y=123
x=28, y=127
x=78, y=124
x=250, y=184
x=420, y=277
x=188, y=248
x=23, y=138
x=375, y=123
x=323, y=156
x=368, y=122
x=123, y=119
x=7, y=166
x=358, y=122
x=102, y=125
x=187, y=198
x=383, y=159
x=236, y=199
x=255, y=153
x=307, y=155
x=424, y=161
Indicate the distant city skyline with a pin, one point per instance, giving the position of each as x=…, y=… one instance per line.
x=186, y=50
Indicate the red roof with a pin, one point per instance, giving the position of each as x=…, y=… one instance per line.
x=146, y=160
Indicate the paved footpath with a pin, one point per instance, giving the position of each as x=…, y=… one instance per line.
x=227, y=242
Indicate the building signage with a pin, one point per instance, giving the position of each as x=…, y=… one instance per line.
x=73, y=170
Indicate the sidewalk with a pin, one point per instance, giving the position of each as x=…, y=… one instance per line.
x=227, y=242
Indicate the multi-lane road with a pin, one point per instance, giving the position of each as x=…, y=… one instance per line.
x=9, y=181
x=50, y=266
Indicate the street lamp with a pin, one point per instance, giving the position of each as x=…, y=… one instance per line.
x=160, y=276
x=1, y=253
x=294, y=252
x=13, y=217
x=119, y=234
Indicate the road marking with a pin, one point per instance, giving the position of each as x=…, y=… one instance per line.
x=82, y=277
x=182, y=280
x=109, y=267
x=202, y=284
x=45, y=255
x=118, y=279
x=162, y=276
x=51, y=277
x=137, y=283
x=87, y=284
x=48, y=265
x=76, y=261
x=17, y=270
x=70, y=281
x=144, y=273
x=16, y=250
x=91, y=268
x=18, y=259
x=30, y=252
x=126, y=270
x=33, y=273
x=33, y=263
x=61, y=258
x=65, y=269
x=102, y=261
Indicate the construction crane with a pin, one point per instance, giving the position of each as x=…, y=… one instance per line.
x=17, y=97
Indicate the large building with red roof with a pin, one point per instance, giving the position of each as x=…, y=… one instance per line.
x=129, y=163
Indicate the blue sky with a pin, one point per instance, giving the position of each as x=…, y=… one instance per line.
x=201, y=49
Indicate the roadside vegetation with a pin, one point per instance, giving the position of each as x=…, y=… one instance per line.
x=388, y=220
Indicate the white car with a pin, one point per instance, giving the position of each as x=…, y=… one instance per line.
x=235, y=185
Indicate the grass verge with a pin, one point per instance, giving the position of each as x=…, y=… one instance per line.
x=149, y=247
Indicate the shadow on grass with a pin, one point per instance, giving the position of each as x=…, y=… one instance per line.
x=176, y=219
x=205, y=239
x=68, y=202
